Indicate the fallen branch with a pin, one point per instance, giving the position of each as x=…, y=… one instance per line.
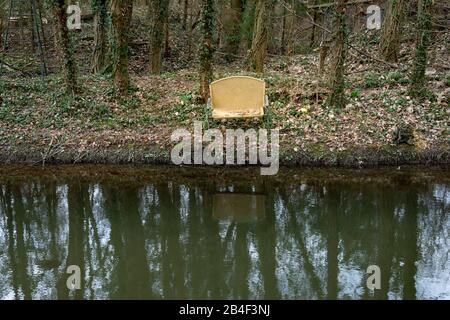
x=140, y=43
x=51, y=151
x=372, y=58
x=358, y=71
x=326, y=5
x=12, y=67
x=328, y=31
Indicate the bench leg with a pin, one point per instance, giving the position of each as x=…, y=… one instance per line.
x=267, y=114
x=207, y=113
x=267, y=118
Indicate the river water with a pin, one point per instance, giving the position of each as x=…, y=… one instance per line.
x=185, y=233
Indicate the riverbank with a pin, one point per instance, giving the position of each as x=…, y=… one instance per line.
x=380, y=125
x=352, y=158
x=220, y=175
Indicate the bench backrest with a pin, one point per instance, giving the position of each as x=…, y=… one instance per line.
x=238, y=94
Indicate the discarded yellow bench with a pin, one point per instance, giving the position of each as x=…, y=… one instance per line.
x=238, y=97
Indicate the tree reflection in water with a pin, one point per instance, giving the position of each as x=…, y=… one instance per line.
x=160, y=240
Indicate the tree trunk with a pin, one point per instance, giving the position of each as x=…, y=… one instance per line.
x=167, y=38
x=287, y=47
x=40, y=9
x=150, y=12
x=248, y=23
x=65, y=45
x=418, y=78
x=283, y=32
x=324, y=49
x=219, y=24
x=100, y=10
x=337, y=81
x=390, y=37
x=207, y=47
x=258, y=52
x=185, y=14
x=33, y=38
x=234, y=37
x=313, y=31
x=161, y=8
x=2, y=17
x=290, y=24
x=121, y=11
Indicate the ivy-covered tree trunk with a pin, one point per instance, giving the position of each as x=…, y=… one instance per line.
x=121, y=12
x=337, y=80
x=185, y=14
x=207, y=47
x=161, y=11
x=258, y=51
x=167, y=38
x=99, y=7
x=2, y=17
x=65, y=45
x=418, y=78
x=391, y=34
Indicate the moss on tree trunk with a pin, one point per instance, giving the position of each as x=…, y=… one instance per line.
x=418, y=77
x=121, y=11
x=161, y=8
x=65, y=46
x=337, y=80
x=207, y=47
x=99, y=7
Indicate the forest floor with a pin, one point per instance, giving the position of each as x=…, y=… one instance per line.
x=39, y=123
